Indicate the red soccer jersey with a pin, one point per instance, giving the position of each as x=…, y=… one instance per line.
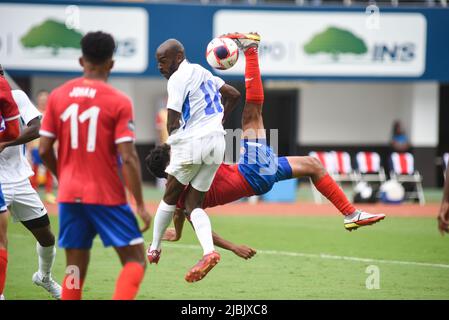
x=89, y=118
x=228, y=186
x=8, y=107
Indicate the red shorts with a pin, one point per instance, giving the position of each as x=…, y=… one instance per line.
x=228, y=186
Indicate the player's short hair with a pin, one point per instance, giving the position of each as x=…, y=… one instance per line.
x=2, y=72
x=158, y=160
x=97, y=47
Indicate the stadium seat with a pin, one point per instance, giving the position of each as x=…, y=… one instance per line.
x=369, y=168
x=343, y=171
x=403, y=170
x=338, y=165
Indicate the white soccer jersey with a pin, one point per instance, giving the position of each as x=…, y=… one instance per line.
x=14, y=167
x=194, y=92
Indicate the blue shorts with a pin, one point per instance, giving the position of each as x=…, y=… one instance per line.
x=35, y=157
x=261, y=167
x=2, y=202
x=79, y=224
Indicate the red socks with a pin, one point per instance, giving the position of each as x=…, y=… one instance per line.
x=126, y=288
x=3, y=265
x=332, y=191
x=129, y=281
x=253, y=80
x=69, y=290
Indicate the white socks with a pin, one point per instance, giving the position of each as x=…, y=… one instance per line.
x=46, y=258
x=203, y=229
x=164, y=215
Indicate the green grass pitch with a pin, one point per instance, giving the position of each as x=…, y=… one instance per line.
x=289, y=263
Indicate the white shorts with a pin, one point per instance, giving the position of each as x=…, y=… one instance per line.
x=23, y=201
x=197, y=161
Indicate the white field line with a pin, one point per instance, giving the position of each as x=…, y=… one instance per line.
x=325, y=256
x=304, y=255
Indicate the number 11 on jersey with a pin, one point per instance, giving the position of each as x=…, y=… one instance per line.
x=72, y=113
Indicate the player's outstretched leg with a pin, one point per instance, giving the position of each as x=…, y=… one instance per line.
x=326, y=185
x=252, y=120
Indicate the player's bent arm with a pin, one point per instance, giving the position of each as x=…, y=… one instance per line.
x=133, y=178
x=30, y=133
x=231, y=97
x=173, y=119
x=11, y=132
x=176, y=233
x=241, y=251
x=47, y=154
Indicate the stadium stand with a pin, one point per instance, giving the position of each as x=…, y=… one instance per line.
x=369, y=168
x=403, y=171
x=343, y=171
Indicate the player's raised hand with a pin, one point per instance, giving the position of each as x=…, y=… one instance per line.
x=145, y=216
x=244, y=252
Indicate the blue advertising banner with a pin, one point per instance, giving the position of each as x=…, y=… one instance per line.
x=319, y=43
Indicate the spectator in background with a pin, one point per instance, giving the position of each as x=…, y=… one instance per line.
x=41, y=174
x=399, y=140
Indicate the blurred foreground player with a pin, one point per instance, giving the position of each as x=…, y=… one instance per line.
x=93, y=123
x=9, y=130
x=259, y=168
x=22, y=200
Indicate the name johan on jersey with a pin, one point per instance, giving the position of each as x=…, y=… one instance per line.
x=89, y=118
x=14, y=167
x=194, y=92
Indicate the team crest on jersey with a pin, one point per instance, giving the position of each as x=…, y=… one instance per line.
x=131, y=125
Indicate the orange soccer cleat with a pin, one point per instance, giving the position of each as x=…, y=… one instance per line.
x=200, y=270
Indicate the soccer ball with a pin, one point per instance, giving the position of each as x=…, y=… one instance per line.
x=222, y=53
x=392, y=192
